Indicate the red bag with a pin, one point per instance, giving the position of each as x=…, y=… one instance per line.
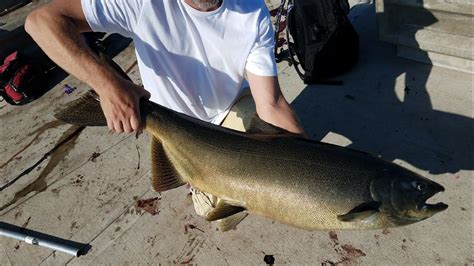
x=21, y=80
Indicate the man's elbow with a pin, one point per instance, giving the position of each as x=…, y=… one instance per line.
x=35, y=20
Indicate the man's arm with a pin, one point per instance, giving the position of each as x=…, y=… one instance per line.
x=56, y=27
x=270, y=103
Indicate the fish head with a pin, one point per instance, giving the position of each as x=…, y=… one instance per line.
x=403, y=195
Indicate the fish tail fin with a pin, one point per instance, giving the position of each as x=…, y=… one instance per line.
x=85, y=111
x=163, y=174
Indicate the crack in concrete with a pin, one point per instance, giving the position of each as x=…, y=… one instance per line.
x=57, y=153
x=38, y=132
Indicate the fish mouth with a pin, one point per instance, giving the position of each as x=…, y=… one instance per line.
x=432, y=208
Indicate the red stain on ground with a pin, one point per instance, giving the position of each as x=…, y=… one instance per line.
x=24, y=225
x=347, y=253
x=187, y=262
x=148, y=205
x=333, y=237
x=351, y=252
x=191, y=226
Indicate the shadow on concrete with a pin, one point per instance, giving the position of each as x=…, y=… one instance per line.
x=7, y=6
x=367, y=110
x=19, y=40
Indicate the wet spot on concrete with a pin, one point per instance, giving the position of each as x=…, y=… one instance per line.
x=56, y=155
x=38, y=132
x=94, y=156
x=191, y=226
x=78, y=181
x=18, y=214
x=269, y=259
x=74, y=225
x=147, y=205
x=151, y=240
x=25, y=224
x=376, y=237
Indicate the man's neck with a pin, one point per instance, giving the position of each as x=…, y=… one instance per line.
x=204, y=5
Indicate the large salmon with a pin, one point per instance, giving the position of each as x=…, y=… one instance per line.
x=266, y=171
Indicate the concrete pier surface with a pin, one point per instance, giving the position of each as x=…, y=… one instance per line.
x=89, y=186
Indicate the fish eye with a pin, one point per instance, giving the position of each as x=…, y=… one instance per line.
x=419, y=186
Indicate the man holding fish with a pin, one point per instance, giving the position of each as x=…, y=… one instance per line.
x=193, y=56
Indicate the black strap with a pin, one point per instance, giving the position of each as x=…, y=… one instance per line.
x=291, y=48
x=278, y=56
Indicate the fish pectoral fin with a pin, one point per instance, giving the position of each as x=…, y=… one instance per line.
x=231, y=222
x=163, y=174
x=223, y=210
x=360, y=213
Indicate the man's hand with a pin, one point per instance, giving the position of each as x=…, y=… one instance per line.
x=120, y=104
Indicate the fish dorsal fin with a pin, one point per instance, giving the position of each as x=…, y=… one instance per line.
x=361, y=213
x=85, y=111
x=223, y=210
x=258, y=126
x=231, y=222
x=163, y=174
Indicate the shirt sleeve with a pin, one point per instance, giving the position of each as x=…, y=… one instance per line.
x=113, y=16
x=261, y=60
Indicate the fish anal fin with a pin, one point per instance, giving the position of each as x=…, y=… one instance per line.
x=163, y=174
x=360, y=213
x=231, y=222
x=223, y=210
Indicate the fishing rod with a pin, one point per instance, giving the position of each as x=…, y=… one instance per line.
x=42, y=240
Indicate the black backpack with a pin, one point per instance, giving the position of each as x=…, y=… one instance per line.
x=320, y=36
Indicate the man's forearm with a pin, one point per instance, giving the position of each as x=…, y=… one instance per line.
x=270, y=103
x=57, y=28
x=60, y=39
x=281, y=115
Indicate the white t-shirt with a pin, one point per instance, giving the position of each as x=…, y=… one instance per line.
x=191, y=61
